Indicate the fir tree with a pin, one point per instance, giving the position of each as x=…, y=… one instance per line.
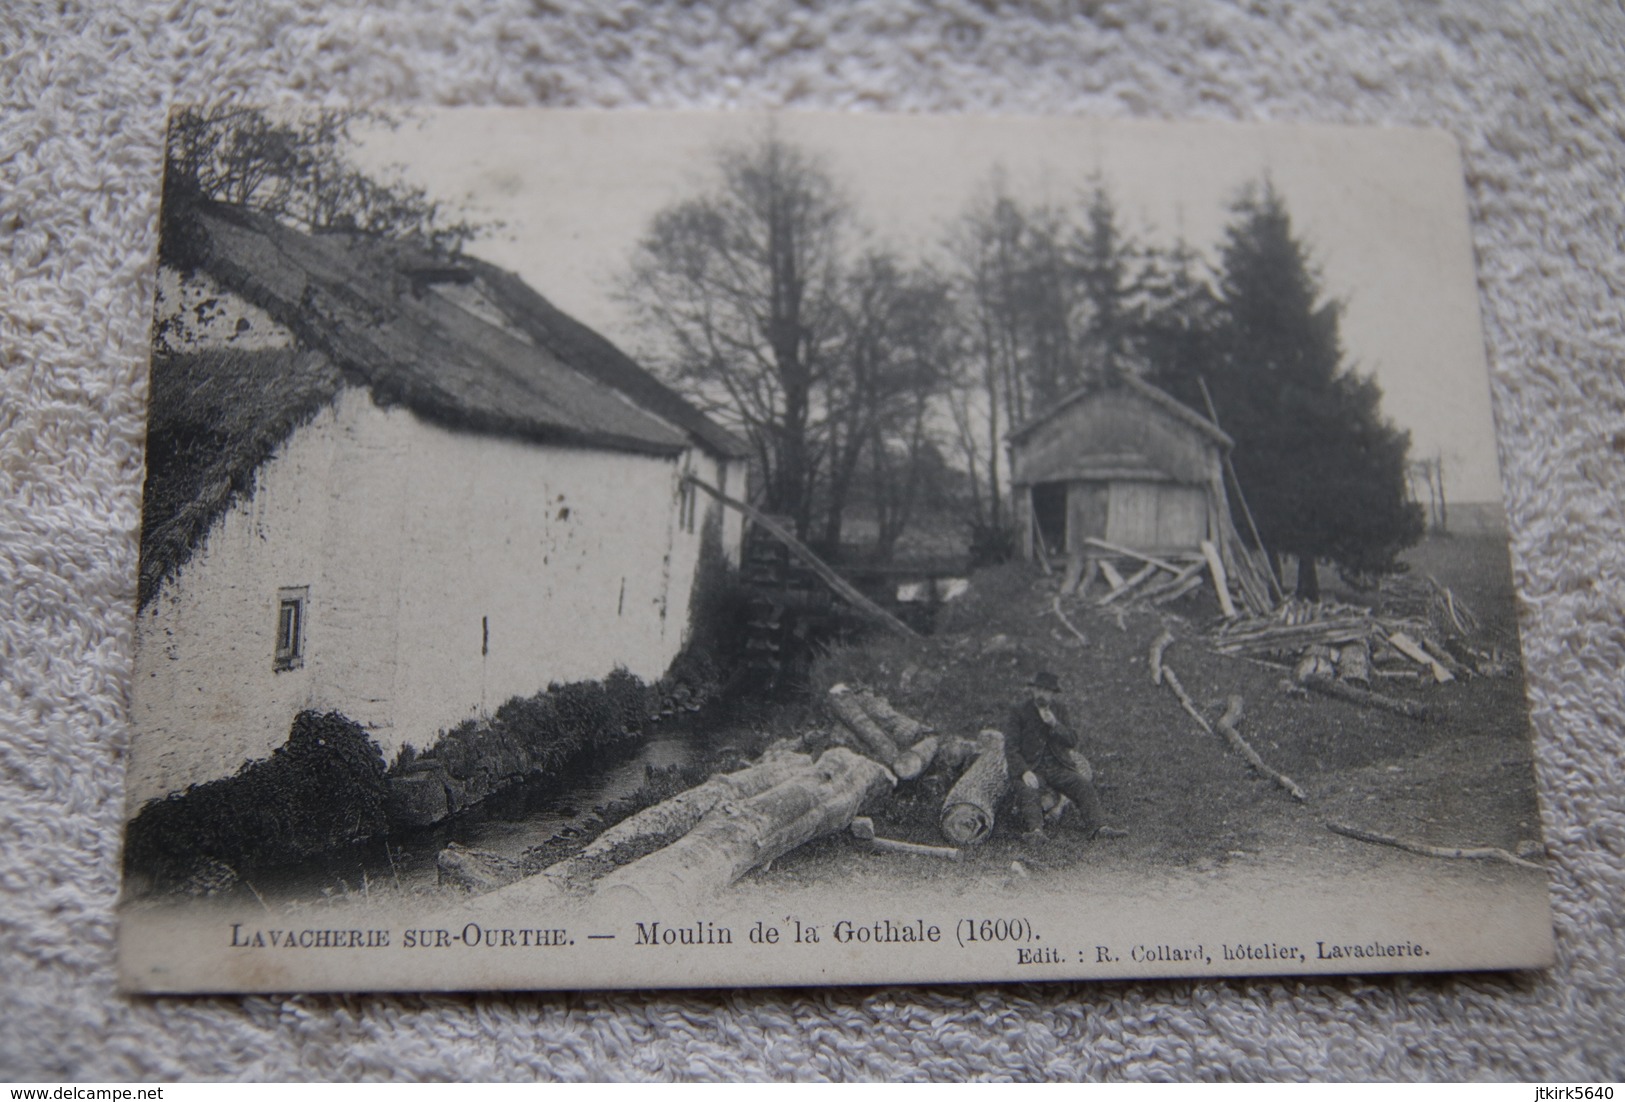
x=1322, y=468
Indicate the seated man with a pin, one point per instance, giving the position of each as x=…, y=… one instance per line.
x=1039, y=746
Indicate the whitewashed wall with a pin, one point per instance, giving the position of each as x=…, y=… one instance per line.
x=447, y=572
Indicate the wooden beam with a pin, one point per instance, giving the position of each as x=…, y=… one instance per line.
x=1449, y=852
x=1220, y=581
x=1175, y=582
x=1130, y=583
x=1227, y=727
x=817, y=565
x=1409, y=647
x=1116, y=549
x=1272, y=584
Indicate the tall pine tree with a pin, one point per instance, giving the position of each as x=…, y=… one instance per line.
x=1323, y=470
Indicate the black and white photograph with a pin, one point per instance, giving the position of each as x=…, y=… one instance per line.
x=597, y=550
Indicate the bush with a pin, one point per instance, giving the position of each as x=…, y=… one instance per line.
x=321, y=789
x=991, y=544
x=542, y=734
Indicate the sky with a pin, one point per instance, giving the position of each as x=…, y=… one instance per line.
x=1383, y=212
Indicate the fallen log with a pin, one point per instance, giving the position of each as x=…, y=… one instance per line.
x=650, y=829
x=1410, y=709
x=863, y=829
x=971, y=806
x=1317, y=661
x=903, y=730
x=1469, y=853
x=1185, y=701
x=916, y=759
x=871, y=738
x=1437, y=651
x=1294, y=637
x=1158, y=647
x=1113, y=578
x=739, y=835
x=1354, y=663
x=1227, y=727
x=1055, y=606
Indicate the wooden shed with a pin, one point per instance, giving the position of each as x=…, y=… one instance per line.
x=1123, y=463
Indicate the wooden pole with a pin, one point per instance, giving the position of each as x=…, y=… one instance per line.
x=1230, y=469
x=1324, y=685
x=1129, y=583
x=817, y=565
x=1117, y=549
x=1227, y=727
x=1220, y=581
x=1478, y=853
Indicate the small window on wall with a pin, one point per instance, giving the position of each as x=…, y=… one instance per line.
x=685, y=506
x=290, y=628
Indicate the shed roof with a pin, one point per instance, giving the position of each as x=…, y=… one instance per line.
x=1159, y=398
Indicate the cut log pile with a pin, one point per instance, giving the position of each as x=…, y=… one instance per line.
x=688, y=848
x=1328, y=642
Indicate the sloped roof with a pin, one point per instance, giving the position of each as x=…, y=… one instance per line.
x=1159, y=398
x=214, y=417
x=591, y=353
x=364, y=314
x=368, y=307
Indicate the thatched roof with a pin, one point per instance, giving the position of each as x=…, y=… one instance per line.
x=589, y=352
x=213, y=418
x=368, y=305
x=1159, y=398
x=365, y=313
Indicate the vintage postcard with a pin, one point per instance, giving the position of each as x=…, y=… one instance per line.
x=590, y=550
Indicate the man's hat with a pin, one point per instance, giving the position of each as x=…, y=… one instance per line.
x=1046, y=681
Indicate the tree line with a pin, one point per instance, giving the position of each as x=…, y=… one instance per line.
x=864, y=379
x=860, y=375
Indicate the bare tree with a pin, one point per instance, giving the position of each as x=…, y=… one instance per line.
x=894, y=360
x=742, y=285
x=294, y=167
x=1015, y=293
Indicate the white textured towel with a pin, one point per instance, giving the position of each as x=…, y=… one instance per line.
x=1534, y=93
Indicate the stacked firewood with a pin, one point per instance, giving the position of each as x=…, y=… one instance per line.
x=696, y=843
x=1341, y=649
x=870, y=725
x=1403, y=646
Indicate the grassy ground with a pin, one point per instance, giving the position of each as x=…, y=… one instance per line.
x=1186, y=799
